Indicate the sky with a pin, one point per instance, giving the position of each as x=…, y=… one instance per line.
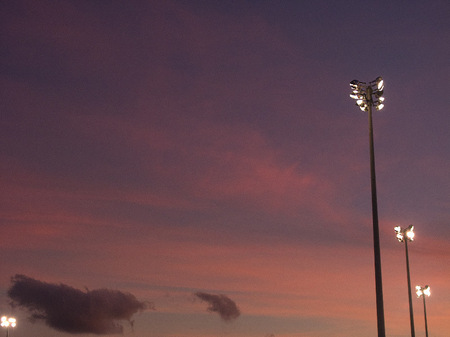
x=198, y=169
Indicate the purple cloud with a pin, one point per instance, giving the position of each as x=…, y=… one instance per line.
x=224, y=306
x=71, y=310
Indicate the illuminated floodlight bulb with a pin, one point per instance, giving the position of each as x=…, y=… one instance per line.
x=419, y=291
x=5, y=322
x=359, y=102
x=381, y=99
x=410, y=232
x=380, y=106
x=380, y=85
x=427, y=290
x=410, y=235
x=379, y=82
x=354, y=96
x=399, y=233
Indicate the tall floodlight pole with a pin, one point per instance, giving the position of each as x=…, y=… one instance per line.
x=422, y=291
x=405, y=235
x=368, y=96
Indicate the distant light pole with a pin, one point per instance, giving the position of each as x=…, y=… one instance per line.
x=405, y=235
x=8, y=322
x=422, y=291
x=368, y=96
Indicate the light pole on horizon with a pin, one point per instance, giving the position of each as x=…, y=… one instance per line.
x=368, y=96
x=422, y=291
x=405, y=235
x=7, y=322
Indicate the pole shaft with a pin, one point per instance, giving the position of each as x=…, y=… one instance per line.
x=376, y=234
x=411, y=315
x=425, y=313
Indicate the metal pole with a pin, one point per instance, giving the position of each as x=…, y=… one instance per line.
x=376, y=234
x=425, y=312
x=411, y=316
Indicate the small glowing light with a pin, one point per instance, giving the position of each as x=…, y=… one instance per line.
x=359, y=102
x=427, y=291
x=380, y=106
x=354, y=96
x=381, y=99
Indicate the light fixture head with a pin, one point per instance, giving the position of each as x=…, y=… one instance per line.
x=402, y=233
x=422, y=291
x=8, y=322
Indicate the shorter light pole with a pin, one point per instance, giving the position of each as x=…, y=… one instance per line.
x=422, y=291
x=405, y=235
x=8, y=322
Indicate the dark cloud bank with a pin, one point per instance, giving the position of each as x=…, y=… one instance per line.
x=221, y=304
x=71, y=310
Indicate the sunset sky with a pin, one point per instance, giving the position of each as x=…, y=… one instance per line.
x=181, y=150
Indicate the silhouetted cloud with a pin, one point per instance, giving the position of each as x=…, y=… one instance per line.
x=221, y=304
x=71, y=310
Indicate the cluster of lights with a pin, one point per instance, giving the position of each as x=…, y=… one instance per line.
x=8, y=322
x=422, y=291
x=402, y=233
x=363, y=92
